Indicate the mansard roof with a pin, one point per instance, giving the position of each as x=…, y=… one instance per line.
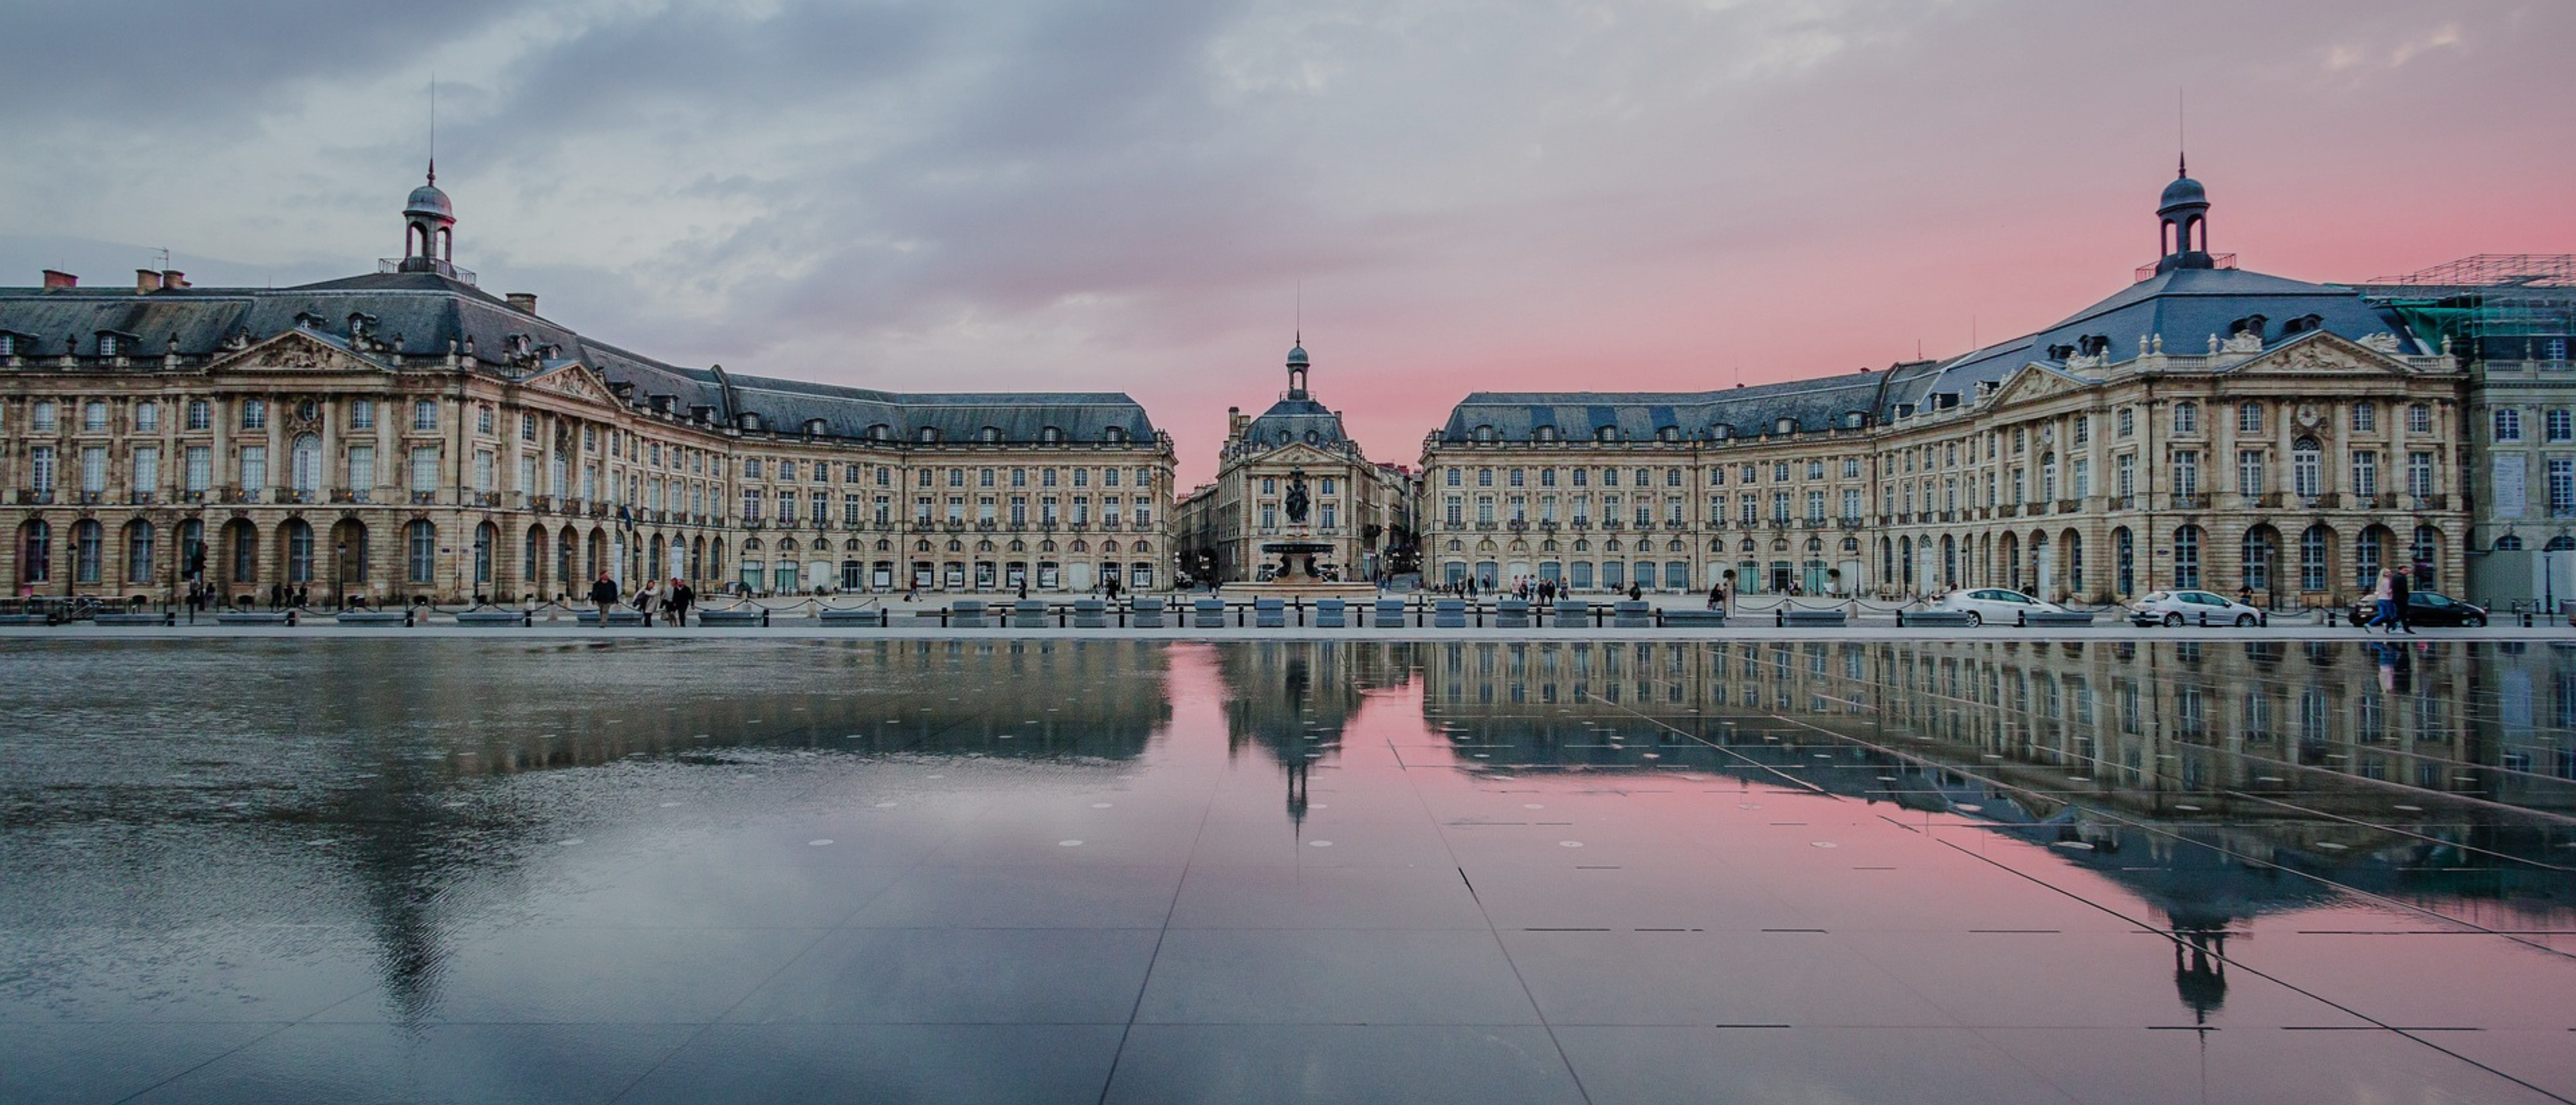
x=2184, y=306
x=1296, y=420
x=426, y=315
x=1819, y=404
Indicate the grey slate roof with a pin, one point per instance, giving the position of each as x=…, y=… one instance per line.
x=1693, y=415
x=1296, y=420
x=2186, y=306
x=423, y=314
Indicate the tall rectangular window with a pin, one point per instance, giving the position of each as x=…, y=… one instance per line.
x=424, y=414
x=2508, y=424
x=2419, y=474
x=2365, y=473
x=254, y=468
x=362, y=468
x=93, y=472
x=147, y=470
x=2562, y=487
x=2186, y=473
x=201, y=468
x=424, y=469
x=2419, y=418
x=2249, y=472
x=254, y=414
x=483, y=471
x=362, y=414
x=2561, y=424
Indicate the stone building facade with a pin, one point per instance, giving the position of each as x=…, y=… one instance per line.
x=1363, y=509
x=2206, y=427
x=403, y=435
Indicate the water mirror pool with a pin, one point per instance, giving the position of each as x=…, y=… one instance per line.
x=982, y=870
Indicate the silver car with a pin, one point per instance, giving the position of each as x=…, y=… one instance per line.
x=1994, y=604
x=2189, y=607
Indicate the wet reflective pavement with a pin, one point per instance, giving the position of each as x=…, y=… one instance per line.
x=971, y=870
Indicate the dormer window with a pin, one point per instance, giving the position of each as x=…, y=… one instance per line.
x=989, y=434
x=1720, y=431
x=1484, y=433
x=107, y=345
x=880, y=432
x=1785, y=426
x=1668, y=433
x=814, y=426
x=1543, y=433
x=1051, y=435
x=1853, y=420
x=928, y=434
x=8, y=344
x=1115, y=435
x=1605, y=433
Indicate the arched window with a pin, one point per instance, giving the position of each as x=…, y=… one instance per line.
x=1051, y=435
x=138, y=551
x=2307, y=475
x=299, y=551
x=485, y=537
x=2370, y=556
x=928, y=433
x=2508, y=543
x=36, y=552
x=2427, y=553
x=2124, y=561
x=2560, y=543
x=305, y=467
x=2261, y=549
x=989, y=434
x=2186, y=557
x=421, y=542
x=2313, y=558
x=532, y=559
x=85, y=551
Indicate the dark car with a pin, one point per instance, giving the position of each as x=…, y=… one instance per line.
x=2426, y=608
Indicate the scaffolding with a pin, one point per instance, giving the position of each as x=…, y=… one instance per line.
x=2493, y=306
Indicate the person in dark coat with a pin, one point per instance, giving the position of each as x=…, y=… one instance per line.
x=675, y=606
x=603, y=595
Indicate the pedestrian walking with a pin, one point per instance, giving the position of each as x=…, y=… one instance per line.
x=1715, y=596
x=2399, y=586
x=603, y=594
x=2380, y=612
x=682, y=596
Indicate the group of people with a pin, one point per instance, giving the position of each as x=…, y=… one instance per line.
x=2395, y=584
x=669, y=601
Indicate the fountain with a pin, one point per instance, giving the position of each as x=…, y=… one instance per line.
x=1296, y=576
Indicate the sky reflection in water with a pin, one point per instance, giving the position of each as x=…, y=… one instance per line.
x=988, y=869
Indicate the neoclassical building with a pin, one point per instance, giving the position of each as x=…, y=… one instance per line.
x=2206, y=426
x=403, y=434
x=1363, y=509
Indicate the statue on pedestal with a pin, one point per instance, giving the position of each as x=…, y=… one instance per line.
x=1297, y=500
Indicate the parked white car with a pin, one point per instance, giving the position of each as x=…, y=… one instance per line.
x=1994, y=604
x=2192, y=608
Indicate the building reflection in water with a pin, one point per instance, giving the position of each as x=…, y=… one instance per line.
x=1294, y=699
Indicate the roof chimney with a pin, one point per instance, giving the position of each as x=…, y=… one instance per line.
x=55, y=278
x=523, y=302
x=173, y=278
x=146, y=280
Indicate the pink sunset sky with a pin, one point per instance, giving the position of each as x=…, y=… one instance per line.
x=1128, y=196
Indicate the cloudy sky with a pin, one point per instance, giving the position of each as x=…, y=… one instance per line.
x=1129, y=194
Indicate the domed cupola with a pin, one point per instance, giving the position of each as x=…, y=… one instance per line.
x=2182, y=215
x=1297, y=369
x=429, y=229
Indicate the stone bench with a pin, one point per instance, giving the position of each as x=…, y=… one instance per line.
x=1028, y=614
x=1573, y=614
x=1812, y=619
x=256, y=617
x=494, y=616
x=1269, y=614
x=1695, y=619
x=1148, y=613
x=1449, y=614
x=967, y=615
x=1512, y=614
x=1330, y=614
x=621, y=615
x=1632, y=614
x=23, y=619
x=1930, y=619
x=834, y=616
x=2053, y=618
x=1388, y=614
x=372, y=617
x=1207, y=614
x=1090, y=614
x=131, y=619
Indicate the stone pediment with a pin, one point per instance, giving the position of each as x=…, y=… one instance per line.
x=1297, y=454
x=2036, y=381
x=575, y=379
x=2319, y=354
x=298, y=350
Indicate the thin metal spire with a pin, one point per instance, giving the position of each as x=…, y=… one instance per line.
x=2182, y=138
x=433, y=128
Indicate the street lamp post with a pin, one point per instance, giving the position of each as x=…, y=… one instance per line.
x=340, y=574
